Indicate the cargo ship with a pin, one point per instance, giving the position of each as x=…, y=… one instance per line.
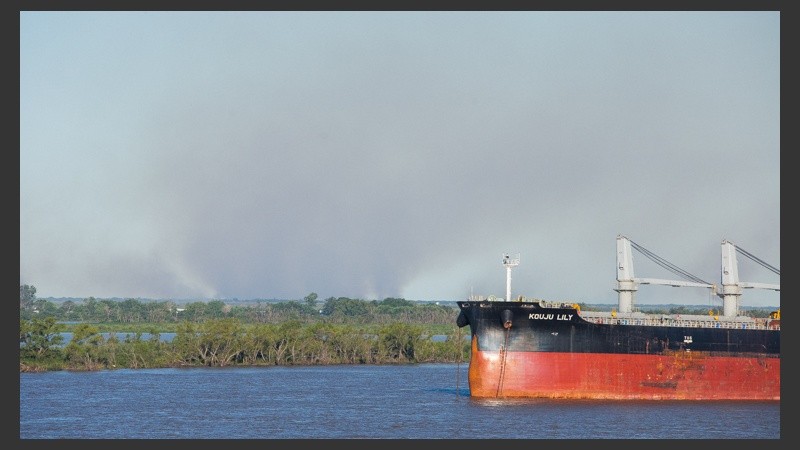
x=531, y=348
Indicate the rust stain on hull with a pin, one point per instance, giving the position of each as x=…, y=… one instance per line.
x=678, y=375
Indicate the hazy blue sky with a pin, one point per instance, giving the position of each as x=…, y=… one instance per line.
x=199, y=155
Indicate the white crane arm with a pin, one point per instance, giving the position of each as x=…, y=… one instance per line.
x=773, y=287
x=675, y=283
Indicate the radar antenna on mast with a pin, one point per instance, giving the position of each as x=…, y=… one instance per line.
x=510, y=263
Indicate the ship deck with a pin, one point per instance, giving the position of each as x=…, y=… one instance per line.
x=679, y=320
x=668, y=320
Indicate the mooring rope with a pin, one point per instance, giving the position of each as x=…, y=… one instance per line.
x=460, y=344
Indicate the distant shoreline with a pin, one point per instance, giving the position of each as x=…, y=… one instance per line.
x=440, y=302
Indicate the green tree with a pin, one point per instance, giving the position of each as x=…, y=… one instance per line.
x=291, y=310
x=220, y=342
x=68, y=310
x=186, y=343
x=311, y=300
x=343, y=307
x=45, y=308
x=110, y=311
x=136, y=352
x=215, y=309
x=27, y=295
x=132, y=310
x=194, y=311
x=399, y=340
x=256, y=344
x=84, y=349
x=285, y=346
x=396, y=302
x=39, y=337
x=91, y=309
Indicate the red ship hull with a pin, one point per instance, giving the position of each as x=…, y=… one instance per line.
x=680, y=375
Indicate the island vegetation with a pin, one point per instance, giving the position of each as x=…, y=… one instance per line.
x=113, y=334
x=109, y=334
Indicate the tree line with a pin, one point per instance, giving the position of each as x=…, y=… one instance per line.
x=342, y=331
x=228, y=342
x=332, y=310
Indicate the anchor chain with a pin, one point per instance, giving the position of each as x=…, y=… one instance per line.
x=503, y=353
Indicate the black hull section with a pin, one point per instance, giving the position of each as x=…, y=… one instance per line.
x=531, y=327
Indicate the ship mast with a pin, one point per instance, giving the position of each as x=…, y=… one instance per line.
x=509, y=263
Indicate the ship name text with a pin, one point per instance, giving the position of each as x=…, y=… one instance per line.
x=538, y=316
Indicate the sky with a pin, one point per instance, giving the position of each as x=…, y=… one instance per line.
x=271, y=155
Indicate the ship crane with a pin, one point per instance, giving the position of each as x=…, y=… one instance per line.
x=627, y=283
x=731, y=286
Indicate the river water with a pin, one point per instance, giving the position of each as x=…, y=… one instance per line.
x=426, y=401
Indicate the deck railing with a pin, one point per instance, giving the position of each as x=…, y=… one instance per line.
x=753, y=323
